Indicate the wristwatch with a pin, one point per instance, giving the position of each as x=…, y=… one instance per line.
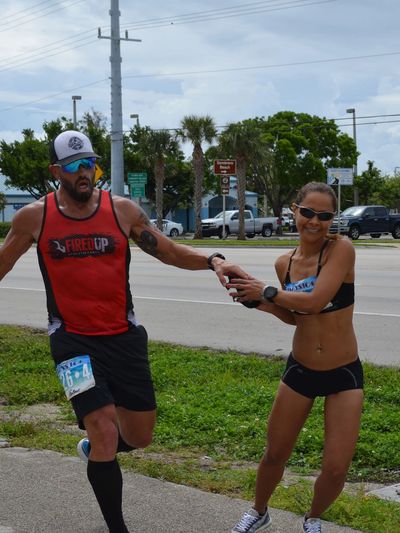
x=269, y=293
x=209, y=259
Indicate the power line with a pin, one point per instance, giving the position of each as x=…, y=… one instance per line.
x=285, y=123
x=169, y=18
x=53, y=95
x=13, y=62
x=260, y=67
x=12, y=15
x=39, y=16
x=29, y=60
x=214, y=15
x=369, y=116
x=233, y=69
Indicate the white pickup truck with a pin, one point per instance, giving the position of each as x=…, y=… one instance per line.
x=214, y=226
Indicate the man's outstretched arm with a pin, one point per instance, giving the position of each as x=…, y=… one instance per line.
x=24, y=227
x=153, y=242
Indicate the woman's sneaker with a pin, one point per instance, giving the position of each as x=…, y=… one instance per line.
x=83, y=449
x=312, y=525
x=252, y=521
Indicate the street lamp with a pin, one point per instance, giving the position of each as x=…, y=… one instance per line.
x=353, y=112
x=74, y=99
x=136, y=116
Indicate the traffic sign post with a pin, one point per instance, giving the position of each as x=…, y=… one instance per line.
x=137, y=191
x=225, y=184
x=339, y=177
x=137, y=177
x=225, y=167
x=137, y=182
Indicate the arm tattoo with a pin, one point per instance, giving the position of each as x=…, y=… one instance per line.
x=148, y=243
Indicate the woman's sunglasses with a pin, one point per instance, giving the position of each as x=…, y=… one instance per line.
x=70, y=168
x=309, y=213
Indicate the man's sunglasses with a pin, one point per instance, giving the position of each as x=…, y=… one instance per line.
x=70, y=168
x=307, y=212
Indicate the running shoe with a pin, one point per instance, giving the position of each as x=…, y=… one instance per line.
x=252, y=521
x=312, y=525
x=83, y=449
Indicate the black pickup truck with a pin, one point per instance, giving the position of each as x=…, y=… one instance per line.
x=367, y=219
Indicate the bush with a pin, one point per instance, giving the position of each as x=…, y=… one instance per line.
x=4, y=228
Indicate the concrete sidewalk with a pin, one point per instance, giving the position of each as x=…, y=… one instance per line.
x=47, y=492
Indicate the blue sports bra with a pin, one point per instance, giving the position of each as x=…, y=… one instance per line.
x=343, y=298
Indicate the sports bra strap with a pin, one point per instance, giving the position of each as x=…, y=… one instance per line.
x=287, y=277
x=320, y=256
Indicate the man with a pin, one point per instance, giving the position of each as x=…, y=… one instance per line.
x=98, y=346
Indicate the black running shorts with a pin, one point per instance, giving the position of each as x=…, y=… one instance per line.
x=120, y=368
x=313, y=383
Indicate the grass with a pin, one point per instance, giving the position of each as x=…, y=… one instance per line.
x=210, y=432
x=284, y=242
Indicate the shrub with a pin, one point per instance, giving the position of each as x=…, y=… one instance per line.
x=4, y=228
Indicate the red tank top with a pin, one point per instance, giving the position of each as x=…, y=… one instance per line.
x=85, y=268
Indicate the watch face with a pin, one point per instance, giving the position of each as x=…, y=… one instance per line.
x=270, y=293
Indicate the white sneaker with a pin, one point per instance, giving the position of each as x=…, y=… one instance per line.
x=252, y=521
x=312, y=525
x=83, y=449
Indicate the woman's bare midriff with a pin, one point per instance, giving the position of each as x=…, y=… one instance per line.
x=325, y=341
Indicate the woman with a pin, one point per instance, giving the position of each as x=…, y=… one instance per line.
x=316, y=296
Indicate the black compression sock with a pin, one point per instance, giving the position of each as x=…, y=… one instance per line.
x=123, y=446
x=106, y=480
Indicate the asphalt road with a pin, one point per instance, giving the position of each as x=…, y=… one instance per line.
x=192, y=308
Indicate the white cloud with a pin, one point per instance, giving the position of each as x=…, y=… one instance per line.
x=302, y=34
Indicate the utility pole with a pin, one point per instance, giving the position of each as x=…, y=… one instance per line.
x=74, y=99
x=117, y=140
x=353, y=112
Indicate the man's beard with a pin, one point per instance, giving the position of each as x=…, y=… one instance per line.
x=81, y=197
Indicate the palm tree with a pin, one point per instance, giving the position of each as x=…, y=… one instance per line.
x=156, y=146
x=242, y=141
x=197, y=130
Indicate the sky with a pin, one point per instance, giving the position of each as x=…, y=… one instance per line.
x=230, y=59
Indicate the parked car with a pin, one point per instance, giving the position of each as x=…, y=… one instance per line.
x=214, y=226
x=172, y=229
x=367, y=219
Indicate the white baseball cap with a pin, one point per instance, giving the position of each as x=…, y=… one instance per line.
x=70, y=146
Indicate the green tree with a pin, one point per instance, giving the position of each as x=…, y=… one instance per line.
x=197, y=130
x=26, y=163
x=297, y=148
x=388, y=193
x=3, y=201
x=241, y=141
x=370, y=184
x=157, y=147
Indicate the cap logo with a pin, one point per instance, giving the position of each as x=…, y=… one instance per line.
x=75, y=143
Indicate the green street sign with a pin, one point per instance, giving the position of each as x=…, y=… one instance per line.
x=138, y=190
x=137, y=178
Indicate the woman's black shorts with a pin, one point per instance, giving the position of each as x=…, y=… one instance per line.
x=120, y=368
x=313, y=383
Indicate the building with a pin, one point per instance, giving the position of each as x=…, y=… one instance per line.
x=15, y=199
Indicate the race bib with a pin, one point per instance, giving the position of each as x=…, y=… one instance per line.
x=76, y=375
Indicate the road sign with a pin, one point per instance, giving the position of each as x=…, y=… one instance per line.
x=225, y=185
x=138, y=190
x=339, y=176
x=225, y=167
x=137, y=177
